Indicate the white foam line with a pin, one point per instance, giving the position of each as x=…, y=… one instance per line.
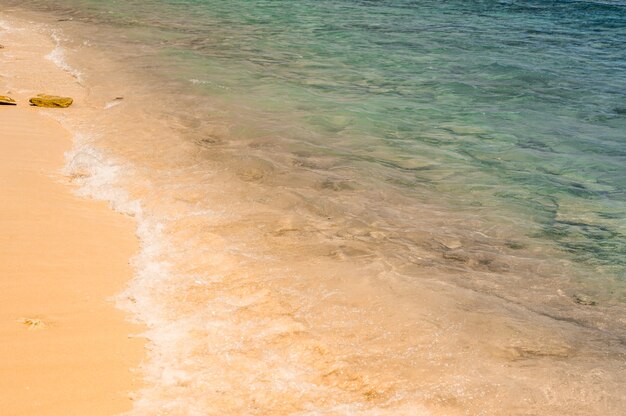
x=99, y=177
x=57, y=56
x=4, y=25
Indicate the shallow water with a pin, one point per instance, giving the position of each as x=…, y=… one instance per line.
x=514, y=108
x=352, y=207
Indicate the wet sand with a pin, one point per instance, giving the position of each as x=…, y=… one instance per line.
x=65, y=349
x=274, y=286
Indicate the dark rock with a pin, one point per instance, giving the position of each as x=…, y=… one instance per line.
x=515, y=245
x=583, y=299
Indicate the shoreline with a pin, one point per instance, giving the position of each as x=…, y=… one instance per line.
x=66, y=348
x=278, y=302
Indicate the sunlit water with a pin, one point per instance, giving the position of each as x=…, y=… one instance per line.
x=363, y=207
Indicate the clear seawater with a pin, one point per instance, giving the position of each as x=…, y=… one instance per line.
x=516, y=106
x=319, y=164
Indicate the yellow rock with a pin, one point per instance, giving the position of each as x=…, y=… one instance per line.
x=4, y=100
x=51, y=101
x=33, y=323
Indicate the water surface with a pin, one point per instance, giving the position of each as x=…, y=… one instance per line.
x=365, y=207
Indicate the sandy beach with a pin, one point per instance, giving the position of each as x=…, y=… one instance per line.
x=65, y=349
x=312, y=208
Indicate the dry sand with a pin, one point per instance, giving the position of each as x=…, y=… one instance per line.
x=64, y=347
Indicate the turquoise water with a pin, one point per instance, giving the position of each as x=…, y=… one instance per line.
x=509, y=103
x=363, y=207
x=519, y=107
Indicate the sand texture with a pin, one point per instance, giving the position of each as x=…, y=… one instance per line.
x=65, y=349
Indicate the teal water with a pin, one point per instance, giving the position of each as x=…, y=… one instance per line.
x=363, y=207
x=515, y=106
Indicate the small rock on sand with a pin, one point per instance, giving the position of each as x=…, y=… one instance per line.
x=51, y=101
x=583, y=299
x=4, y=100
x=33, y=323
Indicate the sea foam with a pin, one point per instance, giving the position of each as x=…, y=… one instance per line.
x=235, y=327
x=58, y=57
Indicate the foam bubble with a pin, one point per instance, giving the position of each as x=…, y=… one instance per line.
x=96, y=174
